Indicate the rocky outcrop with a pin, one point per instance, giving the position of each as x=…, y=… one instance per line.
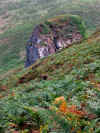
x=52, y=35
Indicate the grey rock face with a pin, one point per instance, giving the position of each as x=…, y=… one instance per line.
x=31, y=55
x=47, y=39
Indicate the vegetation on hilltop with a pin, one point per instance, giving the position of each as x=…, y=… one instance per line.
x=74, y=19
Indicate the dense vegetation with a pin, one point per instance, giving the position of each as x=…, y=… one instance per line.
x=18, y=17
x=60, y=93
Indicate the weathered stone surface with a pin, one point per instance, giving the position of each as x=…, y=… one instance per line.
x=31, y=55
x=52, y=35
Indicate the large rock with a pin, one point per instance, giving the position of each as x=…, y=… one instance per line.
x=52, y=35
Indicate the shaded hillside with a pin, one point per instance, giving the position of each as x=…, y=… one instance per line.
x=59, y=93
x=18, y=18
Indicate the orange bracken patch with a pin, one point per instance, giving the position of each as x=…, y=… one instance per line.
x=66, y=110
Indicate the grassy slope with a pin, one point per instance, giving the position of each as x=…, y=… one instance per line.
x=73, y=73
x=19, y=18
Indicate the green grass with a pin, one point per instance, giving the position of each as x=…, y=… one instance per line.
x=21, y=16
x=27, y=96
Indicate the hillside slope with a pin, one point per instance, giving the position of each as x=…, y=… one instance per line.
x=18, y=18
x=53, y=35
x=59, y=93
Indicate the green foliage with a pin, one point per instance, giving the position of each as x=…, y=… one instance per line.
x=20, y=17
x=72, y=73
x=30, y=105
x=45, y=29
x=27, y=99
x=81, y=25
